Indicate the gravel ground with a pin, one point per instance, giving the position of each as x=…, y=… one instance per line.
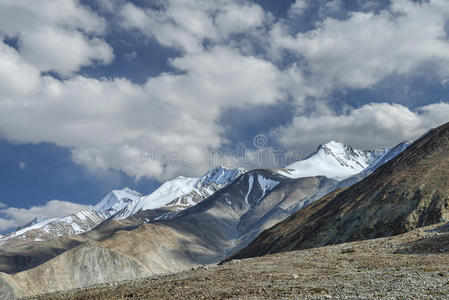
x=413, y=265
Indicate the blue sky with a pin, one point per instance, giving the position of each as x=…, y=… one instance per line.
x=98, y=95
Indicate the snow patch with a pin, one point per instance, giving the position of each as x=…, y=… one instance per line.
x=266, y=185
x=31, y=227
x=250, y=188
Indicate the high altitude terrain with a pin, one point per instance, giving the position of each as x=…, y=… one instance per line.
x=187, y=222
x=396, y=203
x=414, y=265
x=410, y=191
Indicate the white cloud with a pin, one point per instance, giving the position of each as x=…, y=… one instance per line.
x=187, y=24
x=236, y=19
x=59, y=36
x=365, y=48
x=108, y=123
x=16, y=76
x=298, y=8
x=42, y=49
x=12, y=217
x=180, y=25
x=369, y=126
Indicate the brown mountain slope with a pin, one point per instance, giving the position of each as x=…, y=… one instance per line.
x=414, y=265
x=410, y=191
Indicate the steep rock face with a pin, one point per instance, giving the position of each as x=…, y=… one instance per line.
x=410, y=191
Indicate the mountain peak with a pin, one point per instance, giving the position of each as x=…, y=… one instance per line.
x=219, y=175
x=407, y=192
x=36, y=220
x=334, y=160
x=337, y=149
x=116, y=200
x=332, y=145
x=126, y=191
x=125, y=202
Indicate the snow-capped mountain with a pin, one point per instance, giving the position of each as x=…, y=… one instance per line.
x=389, y=155
x=334, y=160
x=40, y=229
x=176, y=194
x=392, y=153
x=206, y=185
x=236, y=208
x=173, y=195
x=117, y=201
x=236, y=214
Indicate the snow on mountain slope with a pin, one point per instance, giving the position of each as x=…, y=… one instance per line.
x=333, y=160
x=168, y=192
x=392, y=153
x=266, y=185
x=45, y=229
x=262, y=184
x=180, y=192
x=219, y=175
x=36, y=223
x=176, y=194
x=207, y=185
x=117, y=201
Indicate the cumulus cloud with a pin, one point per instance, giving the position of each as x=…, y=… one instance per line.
x=187, y=24
x=16, y=76
x=361, y=50
x=113, y=122
x=369, y=126
x=13, y=217
x=59, y=36
x=107, y=123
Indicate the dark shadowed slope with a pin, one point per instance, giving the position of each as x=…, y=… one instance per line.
x=410, y=191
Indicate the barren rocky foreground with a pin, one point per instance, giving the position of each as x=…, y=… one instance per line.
x=412, y=265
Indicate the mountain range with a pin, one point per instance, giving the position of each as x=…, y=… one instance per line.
x=187, y=222
x=408, y=192
x=170, y=197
